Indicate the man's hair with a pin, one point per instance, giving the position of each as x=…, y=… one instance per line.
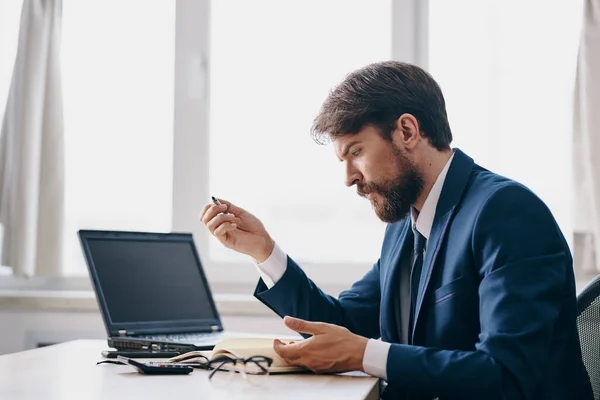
x=378, y=95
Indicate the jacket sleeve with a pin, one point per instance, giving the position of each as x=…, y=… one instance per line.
x=523, y=262
x=295, y=295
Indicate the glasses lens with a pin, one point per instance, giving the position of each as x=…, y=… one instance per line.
x=256, y=371
x=253, y=370
x=221, y=376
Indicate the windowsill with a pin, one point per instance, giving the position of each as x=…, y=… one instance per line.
x=75, y=294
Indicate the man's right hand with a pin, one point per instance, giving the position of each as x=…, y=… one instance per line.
x=238, y=230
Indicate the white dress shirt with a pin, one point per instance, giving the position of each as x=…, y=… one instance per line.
x=375, y=358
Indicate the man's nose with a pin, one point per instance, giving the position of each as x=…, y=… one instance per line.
x=352, y=176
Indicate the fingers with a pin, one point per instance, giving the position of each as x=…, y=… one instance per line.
x=303, y=326
x=221, y=224
x=289, y=352
x=210, y=211
x=204, y=210
x=232, y=208
x=224, y=228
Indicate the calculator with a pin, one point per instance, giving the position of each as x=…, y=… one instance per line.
x=157, y=367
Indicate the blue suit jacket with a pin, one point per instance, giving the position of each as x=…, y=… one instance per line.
x=496, y=309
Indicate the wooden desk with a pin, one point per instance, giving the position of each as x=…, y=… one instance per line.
x=69, y=371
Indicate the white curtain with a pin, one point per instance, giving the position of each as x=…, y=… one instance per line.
x=32, y=149
x=587, y=142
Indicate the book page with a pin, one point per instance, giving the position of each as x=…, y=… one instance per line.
x=248, y=347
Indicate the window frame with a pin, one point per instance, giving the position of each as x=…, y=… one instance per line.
x=191, y=138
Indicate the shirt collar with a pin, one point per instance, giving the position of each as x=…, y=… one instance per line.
x=423, y=221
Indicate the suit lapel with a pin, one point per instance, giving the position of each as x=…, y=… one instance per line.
x=391, y=285
x=454, y=185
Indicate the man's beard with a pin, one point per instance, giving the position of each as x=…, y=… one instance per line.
x=399, y=194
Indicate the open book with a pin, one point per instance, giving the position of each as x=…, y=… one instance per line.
x=242, y=348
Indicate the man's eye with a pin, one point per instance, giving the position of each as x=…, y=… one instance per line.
x=356, y=152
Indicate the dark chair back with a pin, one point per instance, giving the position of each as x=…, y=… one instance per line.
x=588, y=323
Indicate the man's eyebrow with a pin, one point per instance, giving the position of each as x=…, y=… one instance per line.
x=347, y=148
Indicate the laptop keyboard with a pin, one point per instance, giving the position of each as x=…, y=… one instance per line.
x=185, y=337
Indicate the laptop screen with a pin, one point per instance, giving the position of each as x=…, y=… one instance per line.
x=149, y=280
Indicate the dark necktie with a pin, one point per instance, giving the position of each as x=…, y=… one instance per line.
x=415, y=277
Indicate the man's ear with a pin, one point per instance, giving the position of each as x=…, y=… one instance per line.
x=407, y=131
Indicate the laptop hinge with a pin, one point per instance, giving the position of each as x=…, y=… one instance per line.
x=214, y=328
x=122, y=332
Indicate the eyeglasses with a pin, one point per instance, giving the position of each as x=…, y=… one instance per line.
x=223, y=368
x=250, y=368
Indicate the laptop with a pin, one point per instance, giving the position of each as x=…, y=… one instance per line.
x=152, y=291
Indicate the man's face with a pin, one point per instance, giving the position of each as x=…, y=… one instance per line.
x=381, y=171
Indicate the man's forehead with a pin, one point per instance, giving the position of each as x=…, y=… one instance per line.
x=338, y=142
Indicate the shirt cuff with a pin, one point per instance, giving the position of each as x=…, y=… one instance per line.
x=272, y=269
x=375, y=358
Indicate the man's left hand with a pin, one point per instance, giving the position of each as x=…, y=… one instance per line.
x=331, y=348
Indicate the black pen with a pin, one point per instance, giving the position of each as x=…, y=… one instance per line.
x=217, y=202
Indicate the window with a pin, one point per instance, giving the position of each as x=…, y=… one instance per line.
x=272, y=65
x=118, y=77
x=10, y=17
x=504, y=68
x=507, y=70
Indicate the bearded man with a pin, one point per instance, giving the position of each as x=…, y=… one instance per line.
x=473, y=296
